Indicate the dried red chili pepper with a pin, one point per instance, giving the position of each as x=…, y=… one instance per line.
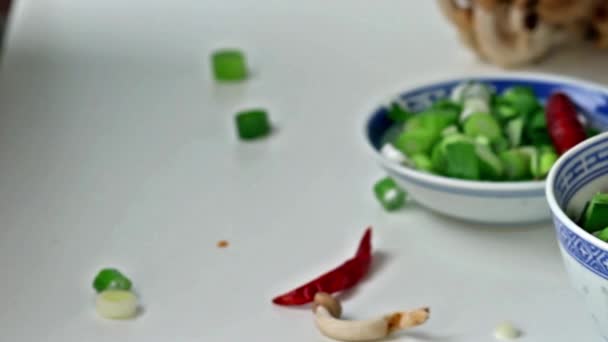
x=562, y=122
x=340, y=278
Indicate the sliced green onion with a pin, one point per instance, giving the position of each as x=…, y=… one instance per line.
x=116, y=304
x=534, y=158
x=504, y=110
x=389, y=194
x=483, y=140
x=417, y=141
x=490, y=165
x=514, y=131
x=461, y=160
x=229, y=65
x=453, y=129
x=500, y=144
x=422, y=162
x=536, y=129
x=391, y=153
x=522, y=99
x=397, y=113
x=596, y=216
x=434, y=120
x=602, y=234
x=516, y=165
x=252, y=124
x=547, y=159
x=447, y=104
x=111, y=278
x=482, y=124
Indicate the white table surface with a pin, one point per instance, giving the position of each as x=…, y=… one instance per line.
x=117, y=149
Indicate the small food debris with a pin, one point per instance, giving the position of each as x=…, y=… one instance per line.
x=229, y=65
x=116, y=304
x=222, y=244
x=506, y=331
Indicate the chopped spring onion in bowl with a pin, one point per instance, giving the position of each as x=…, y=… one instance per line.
x=479, y=149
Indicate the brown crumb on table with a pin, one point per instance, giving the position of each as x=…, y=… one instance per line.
x=222, y=244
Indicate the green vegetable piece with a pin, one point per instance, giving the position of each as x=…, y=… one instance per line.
x=252, y=124
x=522, y=99
x=514, y=131
x=592, y=132
x=229, y=65
x=602, y=234
x=500, y=144
x=111, y=278
x=547, y=159
x=453, y=129
x=422, y=162
x=438, y=159
x=536, y=129
x=516, y=165
x=482, y=140
x=397, y=113
x=490, y=165
x=461, y=160
x=505, y=111
x=534, y=158
x=447, y=104
x=432, y=120
x=419, y=141
x=596, y=215
x=389, y=194
x=481, y=124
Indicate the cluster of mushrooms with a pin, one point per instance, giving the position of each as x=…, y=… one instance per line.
x=512, y=33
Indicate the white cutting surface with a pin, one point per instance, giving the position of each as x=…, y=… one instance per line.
x=116, y=148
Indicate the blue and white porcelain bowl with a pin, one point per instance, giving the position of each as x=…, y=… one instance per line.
x=483, y=201
x=576, y=176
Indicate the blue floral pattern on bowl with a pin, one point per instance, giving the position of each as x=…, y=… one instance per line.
x=593, y=258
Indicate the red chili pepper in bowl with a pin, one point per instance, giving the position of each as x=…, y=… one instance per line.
x=340, y=278
x=564, y=127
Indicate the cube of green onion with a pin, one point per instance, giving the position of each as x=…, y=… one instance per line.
x=397, y=113
x=514, y=131
x=602, y=234
x=536, y=129
x=422, y=162
x=433, y=120
x=447, y=104
x=482, y=124
x=461, y=160
x=596, y=215
x=547, y=159
x=534, y=158
x=389, y=194
x=252, y=124
x=490, y=166
x=111, y=278
x=522, y=99
x=500, y=144
x=229, y=65
x=453, y=129
x=505, y=111
x=516, y=165
x=417, y=141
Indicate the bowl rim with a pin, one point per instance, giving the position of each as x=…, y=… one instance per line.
x=551, y=199
x=534, y=188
